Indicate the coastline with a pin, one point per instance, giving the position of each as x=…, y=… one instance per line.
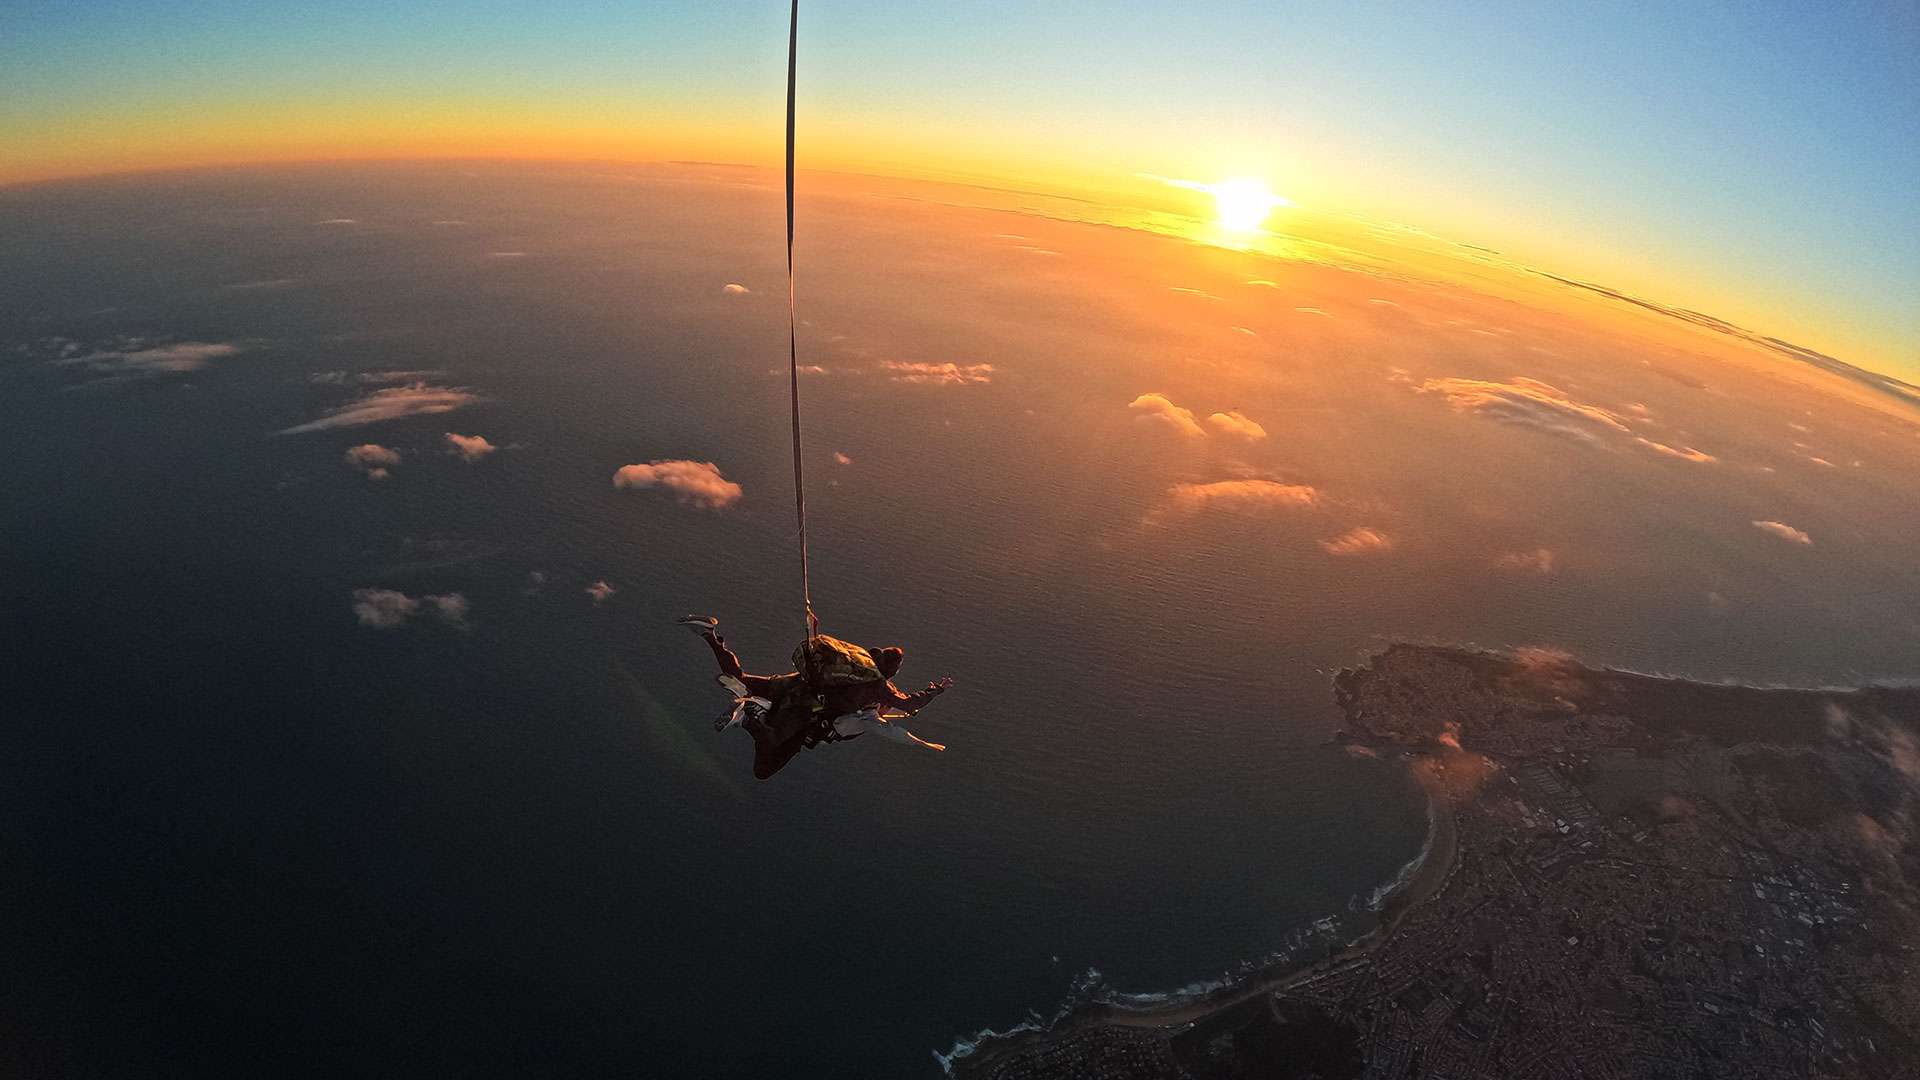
x=1560, y=837
x=1434, y=866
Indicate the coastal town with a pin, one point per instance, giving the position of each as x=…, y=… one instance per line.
x=1627, y=876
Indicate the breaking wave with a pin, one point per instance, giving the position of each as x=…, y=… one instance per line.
x=1090, y=988
x=1378, y=898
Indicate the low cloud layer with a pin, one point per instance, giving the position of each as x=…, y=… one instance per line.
x=1159, y=409
x=1784, y=531
x=133, y=359
x=1243, y=494
x=471, y=447
x=600, y=591
x=941, y=374
x=1236, y=423
x=734, y=288
x=1527, y=403
x=373, y=378
x=389, y=609
x=1684, y=453
x=373, y=459
x=390, y=403
x=1537, y=561
x=693, y=483
x=1361, y=540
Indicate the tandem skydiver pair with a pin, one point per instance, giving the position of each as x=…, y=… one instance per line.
x=837, y=691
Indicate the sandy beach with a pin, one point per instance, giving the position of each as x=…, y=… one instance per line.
x=1441, y=849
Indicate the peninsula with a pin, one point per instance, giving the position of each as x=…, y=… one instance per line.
x=1626, y=876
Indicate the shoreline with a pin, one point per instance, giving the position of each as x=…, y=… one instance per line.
x=1439, y=852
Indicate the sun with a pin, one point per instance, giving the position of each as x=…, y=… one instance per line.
x=1243, y=203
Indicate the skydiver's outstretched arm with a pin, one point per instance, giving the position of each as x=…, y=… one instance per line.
x=919, y=699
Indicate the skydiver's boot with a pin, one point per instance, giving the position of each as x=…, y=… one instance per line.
x=701, y=625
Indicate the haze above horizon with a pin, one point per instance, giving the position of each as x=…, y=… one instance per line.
x=1755, y=165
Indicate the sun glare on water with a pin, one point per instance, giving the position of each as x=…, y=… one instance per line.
x=1242, y=203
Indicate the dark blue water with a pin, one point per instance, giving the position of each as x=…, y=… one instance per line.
x=244, y=831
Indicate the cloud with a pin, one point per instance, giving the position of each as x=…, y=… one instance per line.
x=1201, y=293
x=1784, y=531
x=1264, y=283
x=842, y=458
x=452, y=608
x=174, y=359
x=734, y=288
x=1527, y=403
x=388, y=609
x=373, y=459
x=471, y=447
x=390, y=403
x=1243, y=494
x=1360, y=540
x=341, y=378
x=942, y=374
x=1312, y=311
x=600, y=590
x=338, y=221
x=1684, y=453
x=693, y=483
x=1235, y=422
x=1157, y=408
x=1537, y=561
x=383, y=609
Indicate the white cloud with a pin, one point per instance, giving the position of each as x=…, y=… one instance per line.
x=1684, y=453
x=600, y=590
x=1784, y=531
x=373, y=459
x=471, y=447
x=1360, y=540
x=341, y=378
x=842, y=458
x=452, y=608
x=1159, y=409
x=390, y=403
x=1243, y=494
x=1537, y=561
x=134, y=359
x=1235, y=422
x=383, y=609
x=942, y=374
x=1526, y=403
x=734, y=288
x=389, y=609
x=694, y=483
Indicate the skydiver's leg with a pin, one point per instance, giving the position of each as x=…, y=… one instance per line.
x=729, y=663
x=770, y=757
x=779, y=737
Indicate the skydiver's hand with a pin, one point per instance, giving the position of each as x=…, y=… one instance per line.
x=940, y=687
